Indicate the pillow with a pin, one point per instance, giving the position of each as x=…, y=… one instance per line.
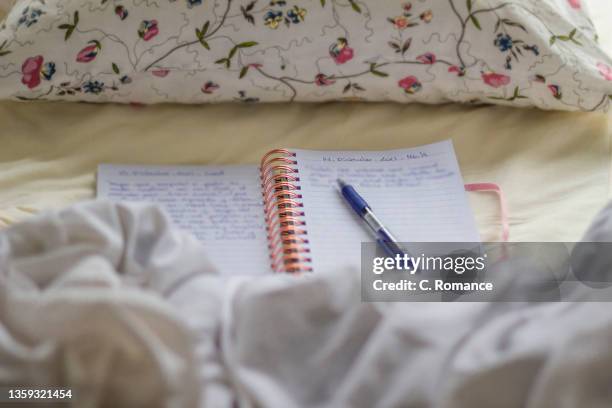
x=524, y=52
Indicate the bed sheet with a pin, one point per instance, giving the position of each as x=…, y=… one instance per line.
x=553, y=166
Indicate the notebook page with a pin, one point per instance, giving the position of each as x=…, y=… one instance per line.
x=417, y=193
x=221, y=206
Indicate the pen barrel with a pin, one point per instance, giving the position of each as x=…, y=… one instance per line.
x=384, y=237
x=374, y=223
x=355, y=200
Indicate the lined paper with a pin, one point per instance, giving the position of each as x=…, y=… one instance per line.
x=221, y=206
x=418, y=193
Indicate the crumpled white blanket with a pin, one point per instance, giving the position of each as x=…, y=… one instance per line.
x=110, y=301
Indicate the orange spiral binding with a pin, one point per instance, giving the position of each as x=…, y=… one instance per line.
x=285, y=225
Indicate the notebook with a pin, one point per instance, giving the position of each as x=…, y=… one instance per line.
x=287, y=214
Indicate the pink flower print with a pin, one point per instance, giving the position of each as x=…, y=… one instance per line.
x=121, y=12
x=410, y=84
x=605, y=71
x=345, y=55
x=454, y=69
x=428, y=58
x=400, y=22
x=495, y=80
x=90, y=52
x=161, y=73
x=148, y=29
x=31, y=70
x=209, y=87
x=324, y=80
x=341, y=52
x=555, y=90
x=575, y=4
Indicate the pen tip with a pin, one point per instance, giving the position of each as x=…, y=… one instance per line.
x=341, y=183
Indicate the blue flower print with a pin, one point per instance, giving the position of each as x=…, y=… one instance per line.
x=503, y=42
x=296, y=15
x=48, y=70
x=94, y=87
x=191, y=3
x=273, y=19
x=29, y=17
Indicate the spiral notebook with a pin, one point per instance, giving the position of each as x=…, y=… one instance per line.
x=287, y=215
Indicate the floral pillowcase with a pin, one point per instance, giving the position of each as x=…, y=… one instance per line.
x=519, y=52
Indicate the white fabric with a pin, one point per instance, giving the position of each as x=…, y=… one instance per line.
x=109, y=297
x=78, y=297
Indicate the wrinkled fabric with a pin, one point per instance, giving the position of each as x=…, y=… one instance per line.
x=109, y=299
x=80, y=306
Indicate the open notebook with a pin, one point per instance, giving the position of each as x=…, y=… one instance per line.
x=302, y=223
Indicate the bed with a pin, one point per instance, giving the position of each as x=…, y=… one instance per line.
x=554, y=167
x=101, y=316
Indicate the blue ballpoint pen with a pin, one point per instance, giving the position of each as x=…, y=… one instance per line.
x=383, y=236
